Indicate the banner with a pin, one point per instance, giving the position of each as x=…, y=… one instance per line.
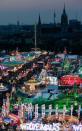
x=36, y=111
x=43, y=111
x=50, y=109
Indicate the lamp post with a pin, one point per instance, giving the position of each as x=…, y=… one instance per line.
x=35, y=38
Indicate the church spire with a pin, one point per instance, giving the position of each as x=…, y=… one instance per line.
x=64, y=9
x=64, y=17
x=39, y=20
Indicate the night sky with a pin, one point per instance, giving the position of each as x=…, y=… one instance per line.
x=26, y=11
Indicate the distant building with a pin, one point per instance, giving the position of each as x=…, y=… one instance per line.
x=75, y=24
x=64, y=18
x=53, y=36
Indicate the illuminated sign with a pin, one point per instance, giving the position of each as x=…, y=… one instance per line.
x=51, y=127
x=39, y=127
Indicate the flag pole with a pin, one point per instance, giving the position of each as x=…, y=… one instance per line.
x=35, y=38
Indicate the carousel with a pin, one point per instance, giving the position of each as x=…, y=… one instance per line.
x=3, y=91
x=32, y=85
x=3, y=88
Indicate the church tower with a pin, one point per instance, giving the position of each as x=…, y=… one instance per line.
x=64, y=18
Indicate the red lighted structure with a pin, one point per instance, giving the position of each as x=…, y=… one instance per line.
x=70, y=80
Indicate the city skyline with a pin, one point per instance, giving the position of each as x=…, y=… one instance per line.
x=27, y=11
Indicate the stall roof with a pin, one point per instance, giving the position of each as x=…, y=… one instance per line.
x=13, y=63
x=72, y=56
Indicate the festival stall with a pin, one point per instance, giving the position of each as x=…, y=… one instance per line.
x=60, y=118
x=14, y=118
x=2, y=67
x=1, y=120
x=52, y=80
x=7, y=121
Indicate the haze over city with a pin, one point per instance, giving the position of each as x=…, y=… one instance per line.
x=26, y=11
